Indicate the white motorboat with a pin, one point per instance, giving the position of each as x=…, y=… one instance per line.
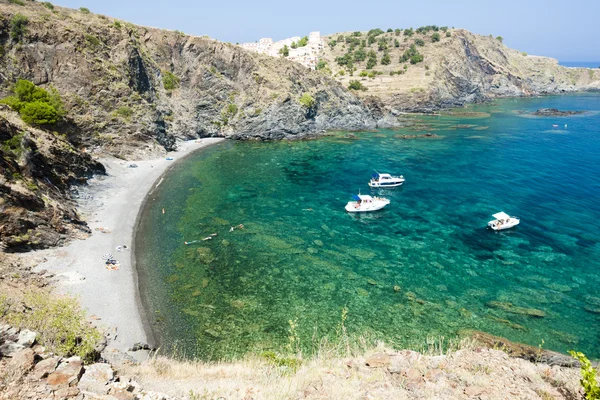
x=385, y=180
x=366, y=203
x=503, y=221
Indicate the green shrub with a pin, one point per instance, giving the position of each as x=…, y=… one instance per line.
x=48, y=5
x=19, y=2
x=448, y=34
x=18, y=26
x=524, y=53
x=39, y=113
x=435, y=37
x=321, y=64
x=409, y=32
x=356, y=85
x=287, y=364
x=588, y=376
x=61, y=323
x=420, y=42
x=372, y=61
x=396, y=43
x=500, y=39
x=14, y=145
x=92, y=40
x=35, y=105
x=357, y=34
x=303, y=42
x=417, y=58
x=170, y=81
x=363, y=74
x=397, y=32
x=284, y=51
x=124, y=112
x=307, y=101
x=232, y=109
x=117, y=24
x=386, y=60
x=84, y=10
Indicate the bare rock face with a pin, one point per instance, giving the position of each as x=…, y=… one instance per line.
x=36, y=171
x=378, y=360
x=20, y=364
x=96, y=378
x=66, y=375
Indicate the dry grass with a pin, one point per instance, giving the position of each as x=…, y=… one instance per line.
x=330, y=374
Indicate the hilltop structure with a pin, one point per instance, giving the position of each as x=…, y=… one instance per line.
x=306, y=55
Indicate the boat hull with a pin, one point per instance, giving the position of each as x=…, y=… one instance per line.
x=385, y=185
x=354, y=207
x=507, y=225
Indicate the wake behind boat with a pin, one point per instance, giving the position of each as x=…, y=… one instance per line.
x=366, y=203
x=503, y=221
x=385, y=180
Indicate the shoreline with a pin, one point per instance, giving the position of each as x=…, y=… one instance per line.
x=112, y=205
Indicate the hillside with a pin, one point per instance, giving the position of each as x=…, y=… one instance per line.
x=128, y=88
x=461, y=67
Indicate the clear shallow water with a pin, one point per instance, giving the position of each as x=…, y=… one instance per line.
x=301, y=257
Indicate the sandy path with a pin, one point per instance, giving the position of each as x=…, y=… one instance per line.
x=111, y=203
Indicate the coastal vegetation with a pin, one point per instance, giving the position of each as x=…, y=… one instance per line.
x=35, y=105
x=62, y=325
x=170, y=81
x=18, y=26
x=589, y=376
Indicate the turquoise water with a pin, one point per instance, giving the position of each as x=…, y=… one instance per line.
x=301, y=257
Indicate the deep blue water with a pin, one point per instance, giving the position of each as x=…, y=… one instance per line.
x=584, y=64
x=301, y=257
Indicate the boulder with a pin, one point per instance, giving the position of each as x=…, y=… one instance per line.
x=66, y=393
x=26, y=338
x=10, y=348
x=21, y=363
x=66, y=375
x=96, y=378
x=45, y=367
x=378, y=360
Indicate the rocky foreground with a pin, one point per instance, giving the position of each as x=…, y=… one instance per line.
x=29, y=371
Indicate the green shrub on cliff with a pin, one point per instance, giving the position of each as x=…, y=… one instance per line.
x=35, y=105
x=61, y=323
x=84, y=10
x=588, y=376
x=307, y=101
x=48, y=5
x=18, y=26
x=356, y=85
x=170, y=81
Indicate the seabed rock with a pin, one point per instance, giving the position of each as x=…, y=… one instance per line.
x=508, y=307
x=553, y=112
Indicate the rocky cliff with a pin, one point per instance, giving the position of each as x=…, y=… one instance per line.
x=460, y=68
x=132, y=90
x=37, y=169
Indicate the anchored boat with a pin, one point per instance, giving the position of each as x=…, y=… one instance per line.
x=366, y=203
x=503, y=221
x=385, y=180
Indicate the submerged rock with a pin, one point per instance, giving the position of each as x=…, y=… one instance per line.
x=509, y=307
x=553, y=112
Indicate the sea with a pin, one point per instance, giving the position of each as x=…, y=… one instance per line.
x=254, y=251
x=580, y=64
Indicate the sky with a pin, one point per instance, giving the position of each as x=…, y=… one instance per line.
x=566, y=30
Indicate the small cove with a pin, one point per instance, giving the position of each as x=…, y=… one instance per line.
x=300, y=257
